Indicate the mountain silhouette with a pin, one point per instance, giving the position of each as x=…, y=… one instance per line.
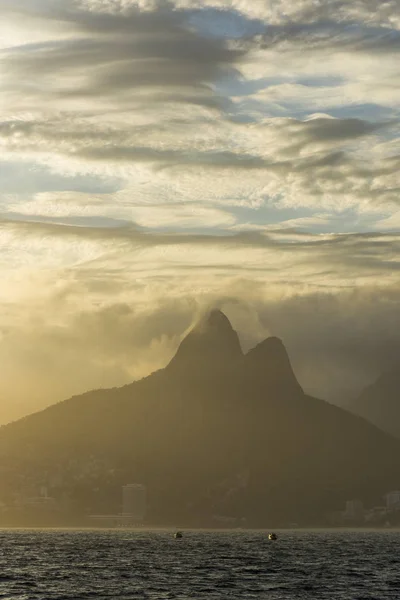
x=379, y=403
x=212, y=344
x=269, y=362
x=216, y=432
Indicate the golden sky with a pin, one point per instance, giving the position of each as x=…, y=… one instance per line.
x=158, y=158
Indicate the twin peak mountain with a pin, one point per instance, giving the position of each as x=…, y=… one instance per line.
x=212, y=348
x=214, y=432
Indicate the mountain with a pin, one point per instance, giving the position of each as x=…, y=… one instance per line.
x=216, y=432
x=379, y=403
x=211, y=346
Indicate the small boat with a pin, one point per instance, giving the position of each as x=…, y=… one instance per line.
x=272, y=536
x=178, y=535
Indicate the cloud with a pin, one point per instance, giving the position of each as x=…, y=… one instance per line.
x=391, y=223
x=107, y=322
x=162, y=157
x=276, y=12
x=321, y=162
x=113, y=53
x=72, y=207
x=346, y=339
x=148, y=90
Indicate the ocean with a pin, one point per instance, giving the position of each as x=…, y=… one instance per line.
x=123, y=564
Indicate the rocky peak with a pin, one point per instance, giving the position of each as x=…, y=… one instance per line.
x=212, y=342
x=269, y=362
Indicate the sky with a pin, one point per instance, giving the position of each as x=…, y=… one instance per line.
x=159, y=158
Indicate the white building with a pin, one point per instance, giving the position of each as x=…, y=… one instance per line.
x=393, y=500
x=134, y=501
x=354, y=509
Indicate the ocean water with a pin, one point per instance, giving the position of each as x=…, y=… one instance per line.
x=64, y=564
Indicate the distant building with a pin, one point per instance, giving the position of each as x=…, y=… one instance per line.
x=39, y=502
x=393, y=500
x=133, y=509
x=134, y=501
x=354, y=509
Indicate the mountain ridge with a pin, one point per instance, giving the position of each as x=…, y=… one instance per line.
x=379, y=403
x=210, y=415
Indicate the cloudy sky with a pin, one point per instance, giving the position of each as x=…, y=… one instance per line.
x=160, y=157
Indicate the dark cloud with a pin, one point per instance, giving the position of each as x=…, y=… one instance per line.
x=326, y=130
x=122, y=53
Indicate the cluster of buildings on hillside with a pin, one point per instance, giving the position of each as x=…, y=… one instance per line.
x=134, y=504
x=133, y=507
x=387, y=514
x=40, y=501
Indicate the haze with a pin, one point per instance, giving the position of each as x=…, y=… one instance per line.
x=160, y=158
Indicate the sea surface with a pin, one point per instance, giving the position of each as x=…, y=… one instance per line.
x=65, y=564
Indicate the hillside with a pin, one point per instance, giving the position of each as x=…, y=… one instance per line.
x=215, y=432
x=379, y=403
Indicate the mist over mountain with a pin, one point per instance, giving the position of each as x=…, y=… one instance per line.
x=216, y=432
x=211, y=345
x=379, y=403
